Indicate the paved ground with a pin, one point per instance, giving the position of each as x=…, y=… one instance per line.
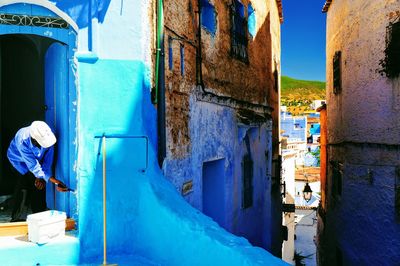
x=306, y=228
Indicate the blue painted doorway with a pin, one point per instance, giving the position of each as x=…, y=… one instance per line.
x=43, y=40
x=214, y=190
x=56, y=116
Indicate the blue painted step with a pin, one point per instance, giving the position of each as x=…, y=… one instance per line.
x=17, y=250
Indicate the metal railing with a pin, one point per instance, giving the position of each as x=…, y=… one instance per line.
x=104, y=137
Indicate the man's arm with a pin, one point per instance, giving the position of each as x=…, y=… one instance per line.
x=32, y=163
x=47, y=163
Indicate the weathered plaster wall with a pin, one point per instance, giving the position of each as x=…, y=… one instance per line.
x=222, y=74
x=363, y=135
x=180, y=30
x=229, y=76
x=367, y=108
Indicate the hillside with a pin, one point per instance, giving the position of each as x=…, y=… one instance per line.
x=297, y=95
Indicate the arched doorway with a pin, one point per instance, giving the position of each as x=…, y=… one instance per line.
x=37, y=82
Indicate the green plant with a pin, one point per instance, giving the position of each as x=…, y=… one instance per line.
x=316, y=154
x=299, y=258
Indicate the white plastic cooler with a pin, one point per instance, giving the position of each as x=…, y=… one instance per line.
x=46, y=226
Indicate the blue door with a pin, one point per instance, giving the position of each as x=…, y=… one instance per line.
x=56, y=116
x=214, y=191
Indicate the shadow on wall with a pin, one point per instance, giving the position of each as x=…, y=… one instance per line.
x=80, y=13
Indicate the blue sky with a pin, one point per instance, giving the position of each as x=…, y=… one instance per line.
x=303, y=39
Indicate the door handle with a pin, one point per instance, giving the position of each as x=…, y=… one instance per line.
x=46, y=107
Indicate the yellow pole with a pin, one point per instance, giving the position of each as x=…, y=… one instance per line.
x=104, y=204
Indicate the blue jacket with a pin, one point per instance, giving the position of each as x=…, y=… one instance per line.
x=25, y=156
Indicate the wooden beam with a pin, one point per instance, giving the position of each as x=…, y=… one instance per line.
x=10, y=229
x=21, y=228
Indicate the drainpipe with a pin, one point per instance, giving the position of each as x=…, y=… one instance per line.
x=160, y=85
x=199, y=76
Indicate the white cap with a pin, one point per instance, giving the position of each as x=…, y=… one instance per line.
x=42, y=133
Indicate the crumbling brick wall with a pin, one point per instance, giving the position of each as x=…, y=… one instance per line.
x=253, y=82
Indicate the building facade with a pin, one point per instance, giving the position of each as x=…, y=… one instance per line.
x=359, y=218
x=222, y=69
x=288, y=176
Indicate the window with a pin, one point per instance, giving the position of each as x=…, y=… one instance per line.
x=251, y=21
x=182, y=49
x=337, y=172
x=391, y=62
x=170, y=53
x=238, y=31
x=247, y=187
x=337, y=72
x=208, y=19
x=276, y=80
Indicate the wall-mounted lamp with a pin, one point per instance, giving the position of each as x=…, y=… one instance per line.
x=307, y=192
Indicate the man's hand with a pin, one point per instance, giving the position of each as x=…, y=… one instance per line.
x=40, y=183
x=60, y=186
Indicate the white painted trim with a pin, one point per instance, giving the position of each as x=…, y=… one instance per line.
x=46, y=4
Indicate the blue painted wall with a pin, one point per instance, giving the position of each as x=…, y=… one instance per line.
x=216, y=135
x=315, y=129
x=294, y=127
x=361, y=222
x=148, y=221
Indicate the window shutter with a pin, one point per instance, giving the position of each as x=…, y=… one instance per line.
x=337, y=72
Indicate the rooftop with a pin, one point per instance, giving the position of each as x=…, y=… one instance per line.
x=310, y=174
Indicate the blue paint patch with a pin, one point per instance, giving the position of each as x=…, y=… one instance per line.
x=208, y=17
x=251, y=20
x=315, y=129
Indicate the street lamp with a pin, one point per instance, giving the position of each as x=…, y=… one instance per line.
x=307, y=192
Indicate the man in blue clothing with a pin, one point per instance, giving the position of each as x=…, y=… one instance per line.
x=31, y=154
